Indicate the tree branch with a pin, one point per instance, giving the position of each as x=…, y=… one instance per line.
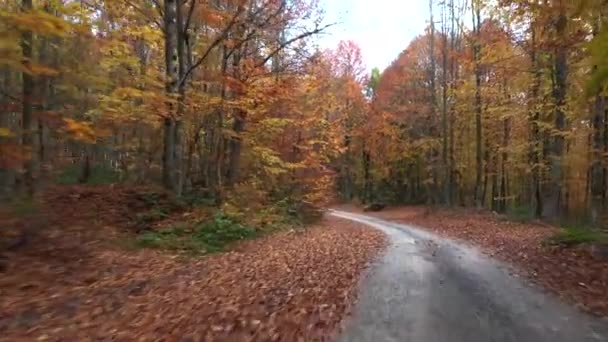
x=251, y=33
x=142, y=12
x=159, y=8
x=293, y=40
x=7, y=95
x=189, y=18
x=215, y=43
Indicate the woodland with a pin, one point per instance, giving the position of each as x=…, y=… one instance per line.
x=141, y=113
x=496, y=105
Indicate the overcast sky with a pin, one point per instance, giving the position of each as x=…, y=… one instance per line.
x=382, y=28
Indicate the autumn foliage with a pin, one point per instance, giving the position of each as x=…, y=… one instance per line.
x=507, y=113
x=231, y=100
x=210, y=97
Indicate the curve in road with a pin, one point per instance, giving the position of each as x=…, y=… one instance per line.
x=430, y=289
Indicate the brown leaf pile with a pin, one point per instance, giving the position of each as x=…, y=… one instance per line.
x=115, y=205
x=572, y=273
x=292, y=286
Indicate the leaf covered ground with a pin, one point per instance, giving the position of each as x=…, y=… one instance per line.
x=573, y=273
x=75, y=283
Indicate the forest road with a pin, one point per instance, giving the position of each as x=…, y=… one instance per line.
x=425, y=288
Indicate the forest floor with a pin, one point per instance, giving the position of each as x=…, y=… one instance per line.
x=573, y=273
x=73, y=281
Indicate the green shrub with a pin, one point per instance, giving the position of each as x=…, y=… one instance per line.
x=222, y=231
x=162, y=239
x=157, y=205
x=572, y=236
x=298, y=212
x=100, y=174
x=212, y=236
x=176, y=238
x=198, y=199
x=521, y=213
x=152, y=215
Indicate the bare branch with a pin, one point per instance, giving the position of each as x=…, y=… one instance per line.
x=210, y=48
x=142, y=12
x=189, y=18
x=159, y=8
x=251, y=33
x=293, y=40
x=9, y=96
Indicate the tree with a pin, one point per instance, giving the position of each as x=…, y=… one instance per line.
x=27, y=42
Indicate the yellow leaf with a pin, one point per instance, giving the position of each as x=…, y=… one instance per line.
x=6, y=133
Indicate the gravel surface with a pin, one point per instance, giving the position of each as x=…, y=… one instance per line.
x=430, y=289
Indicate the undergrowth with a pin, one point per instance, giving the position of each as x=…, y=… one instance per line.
x=574, y=235
x=232, y=222
x=521, y=213
x=205, y=237
x=100, y=174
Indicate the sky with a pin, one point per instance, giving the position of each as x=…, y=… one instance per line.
x=382, y=28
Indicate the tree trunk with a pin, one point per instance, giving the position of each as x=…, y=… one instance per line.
x=7, y=173
x=536, y=148
x=596, y=181
x=183, y=64
x=504, y=175
x=234, y=161
x=554, y=200
x=433, y=189
x=479, y=191
x=454, y=48
x=444, y=116
x=238, y=124
x=27, y=138
x=367, y=177
x=171, y=89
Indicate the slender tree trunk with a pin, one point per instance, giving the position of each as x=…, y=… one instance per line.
x=367, y=177
x=183, y=63
x=27, y=138
x=536, y=148
x=596, y=179
x=597, y=167
x=46, y=93
x=495, y=200
x=605, y=170
x=171, y=88
x=433, y=190
x=554, y=195
x=7, y=174
x=239, y=117
x=444, y=114
x=238, y=126
x=454, y=47
x=478, y=105
x=504, y=174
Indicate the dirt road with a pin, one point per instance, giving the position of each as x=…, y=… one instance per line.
x=429, y=289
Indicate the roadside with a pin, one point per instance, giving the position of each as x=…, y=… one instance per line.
x=76, y=282
x=574, y=273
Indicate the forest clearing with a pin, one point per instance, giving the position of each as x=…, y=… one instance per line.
x=221, y=170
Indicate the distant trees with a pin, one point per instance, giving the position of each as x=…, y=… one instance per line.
x=513, y=102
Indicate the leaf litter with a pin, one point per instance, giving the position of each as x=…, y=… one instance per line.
x=74, y=284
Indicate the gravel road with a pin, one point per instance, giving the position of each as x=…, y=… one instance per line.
x=430, y=289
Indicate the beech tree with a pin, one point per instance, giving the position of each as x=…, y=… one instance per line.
x=513, y=102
